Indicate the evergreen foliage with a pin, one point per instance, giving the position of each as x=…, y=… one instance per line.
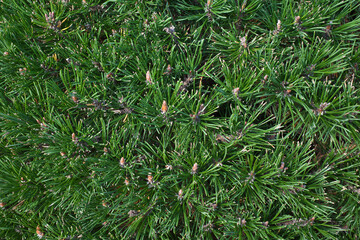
x=179, y=119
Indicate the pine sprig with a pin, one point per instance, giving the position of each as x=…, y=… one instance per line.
x=179, y=119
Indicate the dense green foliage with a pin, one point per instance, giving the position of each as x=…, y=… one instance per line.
x=203, y=119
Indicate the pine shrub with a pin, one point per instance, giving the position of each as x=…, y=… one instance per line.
x=179, y=119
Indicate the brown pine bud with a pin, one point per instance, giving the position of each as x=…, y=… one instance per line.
x=287, y=92
x=106, y=150
x=297, y=19
x=109, y=75
x=148, y=78
x=164, y=107
x=236, y=91
x=180, y=194
x=311, y=220
x=243, y=42
x=278, y=25
x=127, y=182
x=75, y=99
x=150, y=179
x=6, y=53
x=242, y=222
x=22, y=71
x=122, y=162
x=265, y=79
x=133, y=213
x=168, y=70
x=39, y=233
x=282, y=166
x=213, y=206
x=194, y=168
x=170, y=30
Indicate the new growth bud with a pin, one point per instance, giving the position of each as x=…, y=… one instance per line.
x=180, y=194
x=243, y=42
x=127, y=182
x=164, y=107
x=150, y=179
x=236, y=91
x=122, y=162
x=194, y=169
x=168, y=70
x=39, y=233
x=169, y=167
x=148, y=78
x=278, y=25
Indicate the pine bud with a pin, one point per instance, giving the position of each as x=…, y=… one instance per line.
x=242, y=222
x=122, y=162
x=110, y=75
x=2, y=204
x=208, y=227
x=201, y=109
x=287, y=92
x=22, y=71
x=106, y=150
x=148, y=78
x=6, y=53
x=74, y=98
x=73, y=137
x=297, y=19
x=164, y=107
x=133, y=213
x=127, y=182
x=170, y=30
x=282, y=166
x=311, y=220
x=194, y=168
x=243, y=42
x=236, y=91
x=168, y=70
x=321, y=109
x=150, y=179
x=39, y=233
x=169, y=167
x=180, y=194
x=213, y=206
x=278, y=25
